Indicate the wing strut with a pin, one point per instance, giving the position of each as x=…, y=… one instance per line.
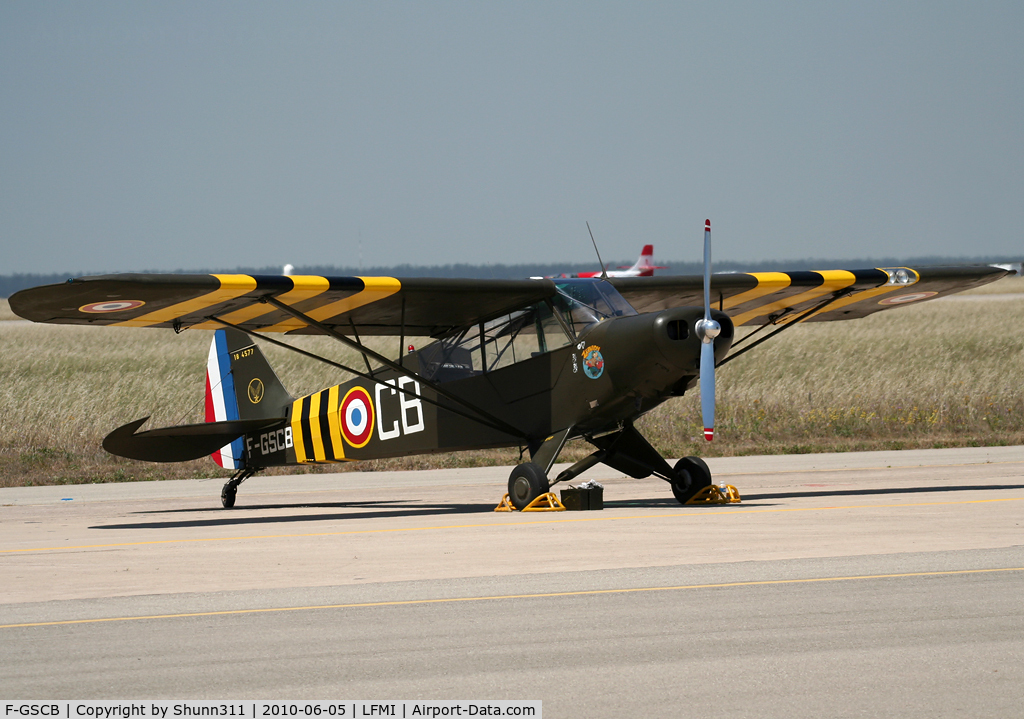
x=495, y=421
x=501, y=428
x=365, y=358
x=484, y=417
x=804, y=315
x=401, y=338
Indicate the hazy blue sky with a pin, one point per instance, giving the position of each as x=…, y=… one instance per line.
x=167, y=135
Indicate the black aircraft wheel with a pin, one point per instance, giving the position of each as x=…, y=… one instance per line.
x=227, y=495
x=696, y=470
x=526, y=483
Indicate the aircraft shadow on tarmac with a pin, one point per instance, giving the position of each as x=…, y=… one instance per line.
x=670, y=502
x=240, y=515
x=388, y=509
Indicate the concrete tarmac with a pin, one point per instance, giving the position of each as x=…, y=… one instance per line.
x=842, y=585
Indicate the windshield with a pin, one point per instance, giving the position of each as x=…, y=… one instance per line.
x=586, y=301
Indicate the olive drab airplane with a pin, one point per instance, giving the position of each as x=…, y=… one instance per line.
x=530, y=363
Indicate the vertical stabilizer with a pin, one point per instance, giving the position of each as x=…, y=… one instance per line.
x=240, y=384
x=221, y=403
x=646, y=255
x=645, y=266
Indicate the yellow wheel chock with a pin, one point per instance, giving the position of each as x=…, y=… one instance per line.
x=505, y=505
x=716, y=495
x=544, y=503
x=547, y=502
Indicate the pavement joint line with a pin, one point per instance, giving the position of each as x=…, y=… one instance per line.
x=712, y=511
x=537, y=595
x=270, y=492
x=864, y=469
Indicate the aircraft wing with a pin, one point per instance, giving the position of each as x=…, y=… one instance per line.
x=375, y=305
x=777, y=297
x=434, y=307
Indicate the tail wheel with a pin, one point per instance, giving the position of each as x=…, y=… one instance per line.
x=693, y=475
x=526, y=483
x=227, y=494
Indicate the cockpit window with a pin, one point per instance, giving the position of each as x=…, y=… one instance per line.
x=586, y=301
x=505, y=340
x=525, y=333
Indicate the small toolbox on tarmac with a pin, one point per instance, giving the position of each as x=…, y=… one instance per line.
x=589, y=495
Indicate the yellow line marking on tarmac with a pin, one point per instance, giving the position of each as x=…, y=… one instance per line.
x=538, y=595
x=698, y=511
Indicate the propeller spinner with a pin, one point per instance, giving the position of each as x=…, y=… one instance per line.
x=707, y=330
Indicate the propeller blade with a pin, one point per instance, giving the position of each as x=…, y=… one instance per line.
x=707, y=388
x=707, y=269
x=707, y=329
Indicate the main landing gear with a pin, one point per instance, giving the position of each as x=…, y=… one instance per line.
x=625, y=450
x=227, y=494
x=527, y=482
x=692, y=477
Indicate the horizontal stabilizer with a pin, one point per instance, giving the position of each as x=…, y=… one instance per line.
x=179, y=444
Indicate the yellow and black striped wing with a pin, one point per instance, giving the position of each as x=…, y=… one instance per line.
x=433, y=307
x=375, y=305
x=761, y=297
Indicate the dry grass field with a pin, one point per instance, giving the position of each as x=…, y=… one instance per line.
x=939, y=374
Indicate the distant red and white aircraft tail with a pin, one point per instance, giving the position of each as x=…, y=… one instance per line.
x=643, y=267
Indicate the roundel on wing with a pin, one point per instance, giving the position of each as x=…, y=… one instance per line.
x=357, y=417
x=115, y=306
x=903, y=299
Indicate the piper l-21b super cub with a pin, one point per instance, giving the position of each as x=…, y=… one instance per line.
x=529, y=363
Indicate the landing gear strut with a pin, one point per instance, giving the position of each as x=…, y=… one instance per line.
x=625, y=450
x=227, y=494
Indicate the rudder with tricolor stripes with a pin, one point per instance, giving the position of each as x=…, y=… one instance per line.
x=240, y=384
